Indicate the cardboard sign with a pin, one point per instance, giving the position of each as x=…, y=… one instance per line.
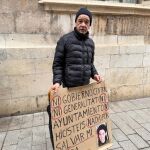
x=80, y=119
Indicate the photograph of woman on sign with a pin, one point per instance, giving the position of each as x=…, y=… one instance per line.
x=102, y=134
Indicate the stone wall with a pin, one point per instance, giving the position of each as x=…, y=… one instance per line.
x=28, y=36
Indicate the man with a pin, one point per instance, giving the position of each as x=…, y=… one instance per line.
x=102, y=135
x=73, y=61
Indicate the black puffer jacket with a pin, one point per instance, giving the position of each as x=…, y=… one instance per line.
x=73, y=61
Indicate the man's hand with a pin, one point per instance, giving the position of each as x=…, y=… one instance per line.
x=98, y=78
x=55, y=87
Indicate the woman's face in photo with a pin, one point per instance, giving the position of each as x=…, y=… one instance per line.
x=102, y=134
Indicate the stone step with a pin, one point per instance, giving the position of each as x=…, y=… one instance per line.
x=26, y=41
x=46, y=41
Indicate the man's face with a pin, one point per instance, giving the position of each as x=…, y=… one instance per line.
x=102, y=135
x=83, y=24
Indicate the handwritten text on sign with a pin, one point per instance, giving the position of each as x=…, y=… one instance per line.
x=75, y=114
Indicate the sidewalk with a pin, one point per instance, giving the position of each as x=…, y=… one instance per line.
x=130, y=128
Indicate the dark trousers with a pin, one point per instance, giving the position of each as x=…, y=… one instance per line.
x=50, y=125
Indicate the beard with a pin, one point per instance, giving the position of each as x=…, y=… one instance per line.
x=83, y=31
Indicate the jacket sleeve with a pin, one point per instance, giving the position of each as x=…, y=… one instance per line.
x=58, y=63
x=93, y=69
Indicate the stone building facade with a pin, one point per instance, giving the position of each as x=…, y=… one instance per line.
x=29, y=30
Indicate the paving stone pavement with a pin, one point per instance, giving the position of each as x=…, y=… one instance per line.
x=130, y=128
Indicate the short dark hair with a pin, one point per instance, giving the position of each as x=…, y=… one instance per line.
x=102, y=127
